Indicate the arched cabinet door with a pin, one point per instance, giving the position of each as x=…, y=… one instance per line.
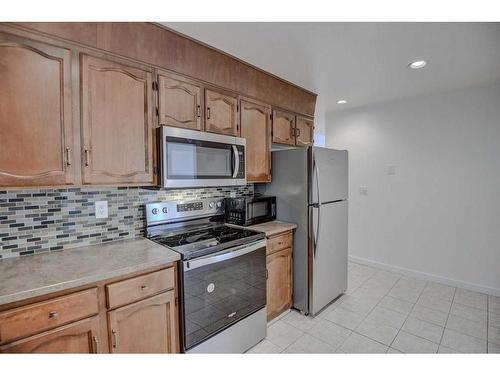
x=147, y=326
x=256, y=129
x=36, y=140
x=179, y=102
x=116, y=106
x=304, y=131
x=221, y=113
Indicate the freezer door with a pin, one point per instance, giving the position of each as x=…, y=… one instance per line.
x=328, y=256
x=329, y=168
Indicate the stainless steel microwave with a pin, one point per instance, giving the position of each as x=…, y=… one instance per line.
x=191, y=158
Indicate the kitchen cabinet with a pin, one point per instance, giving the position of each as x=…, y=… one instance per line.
x=221, y=113
x=135, y=313
x=179, y=102
x=81, y=337
x=147, y=326
x=116, y=105
x=35, y=114
x=304, y=131
x=256, y=129
x=283, y=127
x=279, y=274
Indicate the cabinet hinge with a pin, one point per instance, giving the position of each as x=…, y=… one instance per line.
x=237, y=108
x=155, y=86
x=157, y=112
x=176, y=301
x=271, y=116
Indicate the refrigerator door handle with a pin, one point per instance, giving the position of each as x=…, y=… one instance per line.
x=316, y=237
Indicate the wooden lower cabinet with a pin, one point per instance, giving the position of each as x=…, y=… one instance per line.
x=279, y=281
x=148, y=326
x=79, y=337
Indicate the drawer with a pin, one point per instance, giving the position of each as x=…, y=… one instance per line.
x=132, y=290
x=279, y=242
x=42, y=316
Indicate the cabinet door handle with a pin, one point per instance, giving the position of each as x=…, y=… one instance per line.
x=144, y=287
x=53, y=314
x=115, y=338
x=87, y=157
x=208, y=113
x=297, y=132
x=292, y=131
x=68, y=156
x=96, y=344
x=198, y=111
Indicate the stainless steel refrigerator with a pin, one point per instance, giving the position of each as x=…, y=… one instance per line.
x=311, y=188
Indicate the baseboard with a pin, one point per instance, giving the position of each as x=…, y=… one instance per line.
x=426, y=276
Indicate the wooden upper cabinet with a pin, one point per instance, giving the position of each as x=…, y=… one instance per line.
x=80, y=337
x=148, y=326
x=283, y=127
x=179, y=102
x=256, y=129
x=221, y=113
x=116, y=106
x=304, y=133
x=36, y=141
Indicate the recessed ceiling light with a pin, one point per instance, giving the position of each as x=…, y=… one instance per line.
x=342, y=101
x=417, y=64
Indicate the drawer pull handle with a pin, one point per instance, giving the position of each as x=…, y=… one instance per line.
x=53, y=314
x=144, y=287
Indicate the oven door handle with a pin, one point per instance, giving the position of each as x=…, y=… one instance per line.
x=224, y=255
x=236, y=161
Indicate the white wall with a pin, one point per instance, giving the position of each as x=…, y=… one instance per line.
x=439, y=214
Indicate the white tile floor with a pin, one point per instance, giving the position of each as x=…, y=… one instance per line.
x=385, y=312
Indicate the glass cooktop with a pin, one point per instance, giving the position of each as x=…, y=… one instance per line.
x=200, y=242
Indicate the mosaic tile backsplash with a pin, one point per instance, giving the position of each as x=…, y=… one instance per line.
x=35, y=221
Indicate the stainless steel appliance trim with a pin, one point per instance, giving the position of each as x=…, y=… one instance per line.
x=202, y=136
x=224, y=255
x=236, y=161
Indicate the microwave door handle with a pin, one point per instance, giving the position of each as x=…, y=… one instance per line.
x=236, y=161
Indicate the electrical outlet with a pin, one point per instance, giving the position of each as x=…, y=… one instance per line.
x=363, y=190
x=101, y=209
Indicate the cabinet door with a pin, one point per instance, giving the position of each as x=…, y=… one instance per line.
x=283, y=127
x=35, y=114
x=279, y=282
x=256, y=129
x=148, y=326
x=78, y=337
x=116, y=123
x=221, y=113
x=179, y=102
x=304, y=132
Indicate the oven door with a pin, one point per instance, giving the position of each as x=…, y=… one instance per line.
x=196, y=159
x=222, y=289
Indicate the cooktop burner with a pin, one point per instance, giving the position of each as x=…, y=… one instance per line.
x=200, y=242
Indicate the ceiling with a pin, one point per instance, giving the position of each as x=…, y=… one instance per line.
x=364, y=63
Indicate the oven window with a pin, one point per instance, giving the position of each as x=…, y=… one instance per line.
x=219, y=294
x=198, y=159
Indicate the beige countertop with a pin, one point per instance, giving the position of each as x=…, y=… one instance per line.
x=32, y=276
x=272, y=227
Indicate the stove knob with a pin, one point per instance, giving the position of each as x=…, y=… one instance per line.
x=219, y=204
x=164, y=210
x=155, y=211
x=211, y=204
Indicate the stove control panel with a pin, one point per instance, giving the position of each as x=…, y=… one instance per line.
x=169, y=211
